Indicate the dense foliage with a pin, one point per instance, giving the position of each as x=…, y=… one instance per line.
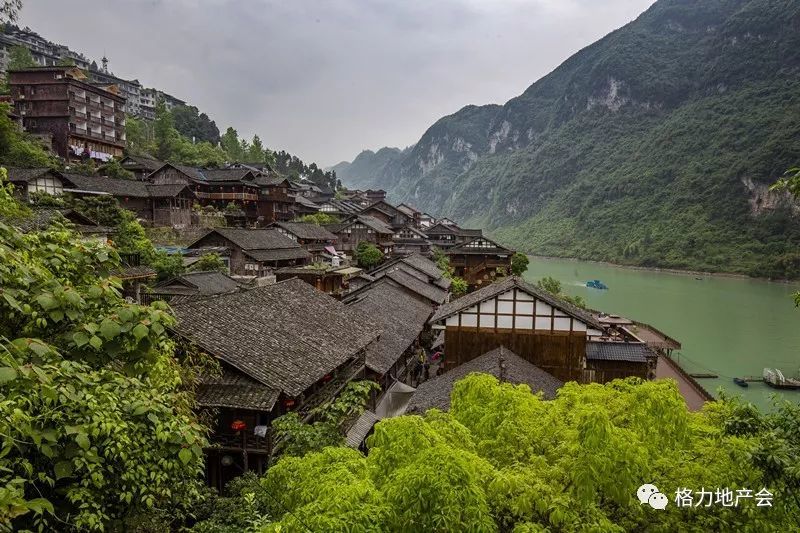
x=195, y=125
x=654, y=146
x=553, y=286
x=504, y=460
x=319, y=219
x=17, y=148
x=209, y=262
x=95, y=412
x=294, y=168
x=519, y=264
x=367, y=255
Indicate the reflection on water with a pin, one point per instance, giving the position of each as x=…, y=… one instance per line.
x=728, y=326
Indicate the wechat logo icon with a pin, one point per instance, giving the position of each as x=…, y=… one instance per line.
x=650, y=495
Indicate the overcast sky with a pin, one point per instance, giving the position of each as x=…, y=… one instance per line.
x=326, y=79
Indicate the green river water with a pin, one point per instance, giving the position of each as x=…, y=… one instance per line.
x=728, y=326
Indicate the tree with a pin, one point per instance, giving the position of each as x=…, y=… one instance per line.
x=209, y=262
x=519, y=264
x=319, y=219
x=256, y=152
x=19, y=149
x=503, y=459
x=140, y=136
x=790, y=183
x=231, y=145
x=553, y=286
x=195, y=126
x=113, y=169
x=165, y=135
x=95, y=422
x=458, y=286
x=20, y=57
x=368, y=255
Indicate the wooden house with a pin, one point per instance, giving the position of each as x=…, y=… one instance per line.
x=324, y=278
x=27, y=181
x=480, y=261
x=414, y=214
x=283, y=348
x=303, y=206
x=417, y=266
x=501, y=363
x=362, y=228
x=542, y=329
x=41, y=218
x=388, y=214
x=409, y=240
x=140, y=166
x=312, y=237
x=194, y=284
x=254, y=252
x=275, y=202
x=426, y=221
x=339, y=208
x=610, y=360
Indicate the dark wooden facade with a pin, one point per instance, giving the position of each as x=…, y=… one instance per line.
x=480, y=261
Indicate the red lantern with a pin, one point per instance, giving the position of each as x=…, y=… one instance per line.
x=288, y=403
x=326, y=378
x=238, y=425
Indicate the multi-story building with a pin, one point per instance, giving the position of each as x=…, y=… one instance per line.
x=148, y=99
x=129, y=89
x=45, y=53
x=80, y=119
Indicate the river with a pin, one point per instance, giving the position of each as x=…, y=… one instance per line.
x=728, y=326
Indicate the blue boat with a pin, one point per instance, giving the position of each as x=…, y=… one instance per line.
x=741, y=382
x=597, y=284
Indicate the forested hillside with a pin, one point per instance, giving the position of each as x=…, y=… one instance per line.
x=654, y=146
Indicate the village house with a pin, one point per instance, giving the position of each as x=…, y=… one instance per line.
x=28, y=181
x=283, y=348
x=417, y=266
x=340, y=208
x=275, y=202
x=303, y=206
x=159, y=205
x=41, y=218
x=501, y=363
x=388, y=214
x=78, y=119
x=445, y=236
x=375, y=195
x=542, y=329
x=316, y=239
x=193, y=284
x=141, y=166
x=254, y=252
x=480, y=261
x=409, y=240
x=362, y=228
x=426, y=221
x=414, y=214
x=323, y=277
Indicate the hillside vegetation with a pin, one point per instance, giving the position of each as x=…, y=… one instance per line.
x=654, y=146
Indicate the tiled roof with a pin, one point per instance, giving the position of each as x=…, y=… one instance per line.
x=18, y=175
x=134, y=272
x=633, y=352
x=225, y=174
x=345, y=206
x=399, y=317
x=433, y=293
x=236, y=390
x=254, y=239
x=167, y=191
x=499, y=287
x=282, y=254
x=307, y=231
x=466, y=248
x=302, y=200
x=374, y=223
x=361, y=428
x=41, y=218
x=501, y=363
x=113, y=186
x=417, y=266
x=441, y=229
x=200, y=283
x=287, y=335
x=270, y=180
x=148, y=163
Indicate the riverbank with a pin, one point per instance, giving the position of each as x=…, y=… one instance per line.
x=730, y=275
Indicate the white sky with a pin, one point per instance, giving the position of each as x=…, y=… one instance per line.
x=326, y=79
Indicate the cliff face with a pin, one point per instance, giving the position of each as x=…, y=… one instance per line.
x=645, y=147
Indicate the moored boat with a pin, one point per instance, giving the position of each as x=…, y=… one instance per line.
x=741, y=382
x=775, y=379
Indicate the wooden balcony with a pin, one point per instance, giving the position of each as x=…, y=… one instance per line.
x=226, y=195
x=328, y=391
x=242, y=440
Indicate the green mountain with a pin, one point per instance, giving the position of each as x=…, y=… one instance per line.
x=654, y=146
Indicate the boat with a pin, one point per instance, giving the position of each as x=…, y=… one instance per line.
x=741, y=382
x=596, y=284
x=775, y=379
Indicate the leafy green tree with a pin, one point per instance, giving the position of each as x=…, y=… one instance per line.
x=231, y=145
x=19, y=149
x=113, y=169
x=503, y=459
x=194, y=125
x=368, y=255
x=791, y=183
x=140, y=136
x=208, y=262
x=458, y=286
x=165, y=135
x=519, y=264
x=319, y=219
x=20, y=57
x=256, y=152
x=66, y=62
x=86, y=168
x=553, y=286
x=95, y=422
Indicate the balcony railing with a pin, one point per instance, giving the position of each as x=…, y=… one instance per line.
x=243, y=440
x=226, y=195
x=332, y=388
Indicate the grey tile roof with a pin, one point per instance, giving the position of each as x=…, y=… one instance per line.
x=201, y=283
x=254, y=239
x=511, y=282
x=307, y=231
x=433, y=293
x=286, y=336
x=417, y=266
x=361, y=428
x=435, y=393
x=236, y=390
x=399, y=317
x=226, y=174
x=113, y=186
x=374, y=223
x=633, y=352
x=270, y=180
x=167, y=191
x=41, y=218
x=282, y=254
x=302, y=200
x=147, y=163
x=19, y=175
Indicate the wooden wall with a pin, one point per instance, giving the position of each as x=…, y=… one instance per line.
x=558, y=353
x=598, y=371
